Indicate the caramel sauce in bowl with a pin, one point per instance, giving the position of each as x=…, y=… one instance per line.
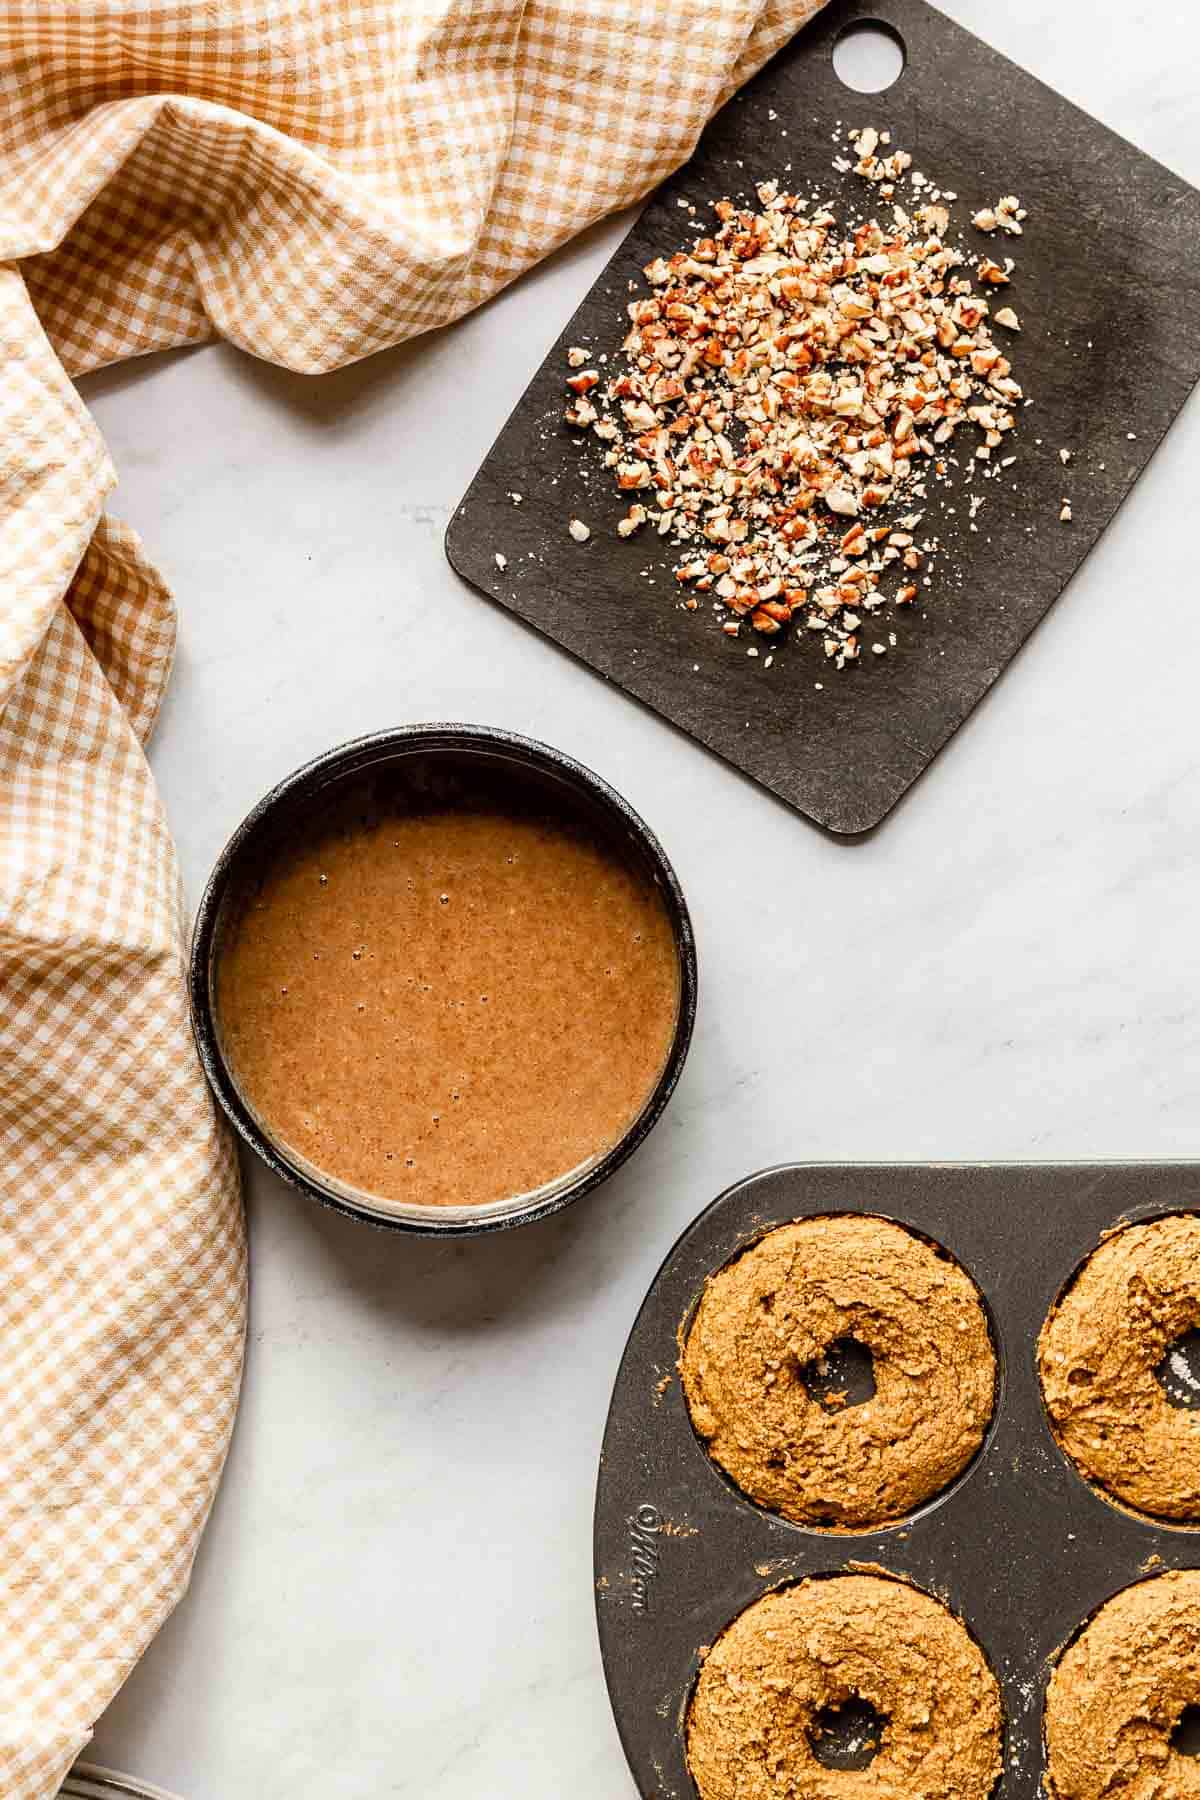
x=443, y=979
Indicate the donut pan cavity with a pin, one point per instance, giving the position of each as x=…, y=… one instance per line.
x=1020, y=1548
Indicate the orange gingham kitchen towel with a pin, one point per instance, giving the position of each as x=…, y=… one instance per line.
x=314, y=180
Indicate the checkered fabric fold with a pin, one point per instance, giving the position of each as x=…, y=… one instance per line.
x=313, y=180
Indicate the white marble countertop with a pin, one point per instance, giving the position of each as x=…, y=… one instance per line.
x=394, y=1595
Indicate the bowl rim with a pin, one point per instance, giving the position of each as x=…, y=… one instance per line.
x=345, y=760
x=90, y=1781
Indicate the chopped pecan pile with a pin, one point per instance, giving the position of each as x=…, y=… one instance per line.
x=789, y=390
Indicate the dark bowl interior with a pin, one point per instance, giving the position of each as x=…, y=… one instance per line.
x=411, y=766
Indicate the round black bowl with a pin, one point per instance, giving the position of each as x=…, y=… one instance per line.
x=426, y=756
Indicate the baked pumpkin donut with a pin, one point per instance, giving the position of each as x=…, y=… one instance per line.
x=765, y=1321
x=1135, y=1297
x=755, y=1711
x=1118, y=1693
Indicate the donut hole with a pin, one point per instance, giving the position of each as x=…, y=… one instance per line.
x=1178, y=1374
x=847, y=1735
x=1185, y=1739
x=842, y=1376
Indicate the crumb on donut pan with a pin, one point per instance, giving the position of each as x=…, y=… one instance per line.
x=1019, y=1546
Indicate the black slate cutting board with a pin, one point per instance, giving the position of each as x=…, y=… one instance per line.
x=1108, y=291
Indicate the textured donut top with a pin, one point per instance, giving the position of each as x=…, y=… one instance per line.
x=767, y=1317
x=792, y=1654
x=1118, y=1693
x=1135, y=1297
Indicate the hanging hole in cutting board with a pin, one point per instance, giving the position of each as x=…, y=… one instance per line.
x=869, y=56
x=1186, y=1736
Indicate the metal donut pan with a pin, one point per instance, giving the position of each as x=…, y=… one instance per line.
x=1021, y=1547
